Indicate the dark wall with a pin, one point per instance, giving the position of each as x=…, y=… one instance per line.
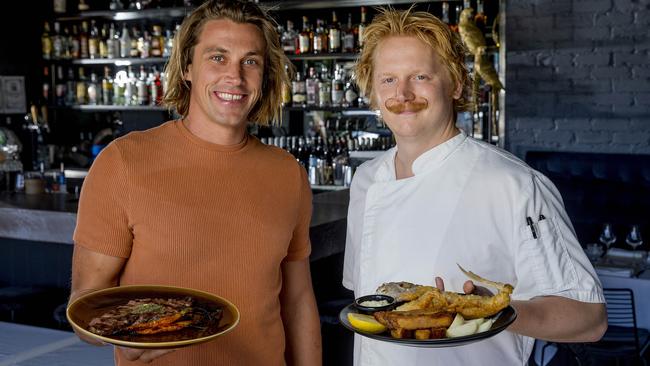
x=578, y=75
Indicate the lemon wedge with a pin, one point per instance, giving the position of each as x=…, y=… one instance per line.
x=365, y=323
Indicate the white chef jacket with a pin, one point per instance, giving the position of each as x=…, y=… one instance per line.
x=467, y=203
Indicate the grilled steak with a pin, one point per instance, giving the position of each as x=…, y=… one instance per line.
x=140, y=315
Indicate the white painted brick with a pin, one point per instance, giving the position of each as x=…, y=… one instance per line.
x=610, y=124
x=519, y=8
x=592, y=33
x=593, y=59
x=640, y=123
x=641, y=72
x=533, y=123
x=521, y=58
x=591, y=137
x=534, y=73
x=573, y=72
x=590, y=6
x=642, y=98
x=611, y=72
x=591, y=85
x=572, y=124
x=636, y=137
x=555, y=138
x=639, y=85
x=628, y=6
x=562, y=7
x=631, y=58
x=627, y=31
x=611, y=99
x=574, y=20
x=632, y=110
x=614, y=18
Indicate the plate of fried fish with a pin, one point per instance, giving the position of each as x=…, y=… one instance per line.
x=152, y=317
x=428, y=317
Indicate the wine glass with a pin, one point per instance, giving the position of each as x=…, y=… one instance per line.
x=633, y=238
x=607, y=236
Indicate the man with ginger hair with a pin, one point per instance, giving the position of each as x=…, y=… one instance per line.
x=441, y=197
x=200, y=203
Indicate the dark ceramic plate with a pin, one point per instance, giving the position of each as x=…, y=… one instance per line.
x=358, y=303
x=503, y=319
x=89, y=306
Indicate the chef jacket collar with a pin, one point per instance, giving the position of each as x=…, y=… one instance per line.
x=428, y=160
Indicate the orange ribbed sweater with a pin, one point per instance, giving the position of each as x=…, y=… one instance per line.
x=189, y=213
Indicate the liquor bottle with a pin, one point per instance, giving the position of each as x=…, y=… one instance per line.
x=66, y=41
x=46, y=42
x=348, y=36
x=454, y=26
x=157, y=41
x=134, y=51
x=320, y=38
x=286, y=89
x=119, y=87
x=103, y=41
x=83, y=40
x=467, y=4
x=361, y=29
x=57, y=42
x=93, y=40
x=130, y=91
x=305, y=37
x=144, y=44
x=338, y=86
x=141, y=88
x=289, y=39
x=312, y=87
x=298, y=91
x=351, y=97
x=82, y=6
x=334, y=35
x=157, y=91
x=71, y=88
x=112, y=43
x=75, y=45
x=45, y=90
x=81, y=88
x=107, y=87
x=60, y=91
x=324, y=89
x=169, y=43
x=94, y=96
x=125, y=42
x=445, y=13
x=480, y=18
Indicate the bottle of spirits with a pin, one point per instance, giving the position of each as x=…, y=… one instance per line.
x=351, y=96
x=144, y=45
x=103, y=42
x=93, y=40
x=60, y=87
x=107, y=87
x=156, y=88
x=57, y=42
x=324, y=89
x=169, y=43
x=289, y=39
x=312, y=87
x=286, y=89
x=141, y=88
x=348, y=36
x=157, y=41
x=320, y=38
x=94, y=96
x=361, y=29
x=83, y=40
x=75, y=43
x=125, y=42
x=445, y=13
x=334, y=35
x=130, y=91
x=134, y=51
x=338, y=86
x=81, y=88
x=112, y=43
x=71, y=88
x=46, y=42
x=305, y=37
x=298, y=91
x=45, y=90
x=454, y=25
x=66, y=39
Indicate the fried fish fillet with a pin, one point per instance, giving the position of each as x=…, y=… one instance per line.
x=415, y=319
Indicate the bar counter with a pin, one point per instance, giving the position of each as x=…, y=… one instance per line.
x=51, y=218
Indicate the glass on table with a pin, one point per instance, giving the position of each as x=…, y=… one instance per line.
x=607, y=236
x=633, y=238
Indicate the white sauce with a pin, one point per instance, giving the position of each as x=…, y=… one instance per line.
x=374, y=304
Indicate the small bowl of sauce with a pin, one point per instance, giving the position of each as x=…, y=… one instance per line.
x=370, y=303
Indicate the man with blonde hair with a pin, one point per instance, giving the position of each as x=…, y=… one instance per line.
x=441, y=198
x=200, y=203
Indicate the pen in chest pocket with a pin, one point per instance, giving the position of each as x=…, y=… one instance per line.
x=530, y=223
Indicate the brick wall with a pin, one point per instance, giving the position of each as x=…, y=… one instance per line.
x=578, y=75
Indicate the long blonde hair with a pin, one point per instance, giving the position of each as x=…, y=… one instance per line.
x=425, y=27
x=269, y=108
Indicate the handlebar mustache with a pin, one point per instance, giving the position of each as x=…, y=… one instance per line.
x=397, y=107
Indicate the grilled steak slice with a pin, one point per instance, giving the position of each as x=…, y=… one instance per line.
x=140, y=314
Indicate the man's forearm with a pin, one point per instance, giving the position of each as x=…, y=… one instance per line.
x=302, y=327
x=559, y=319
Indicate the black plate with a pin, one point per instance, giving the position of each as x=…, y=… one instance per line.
x=504, y=318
